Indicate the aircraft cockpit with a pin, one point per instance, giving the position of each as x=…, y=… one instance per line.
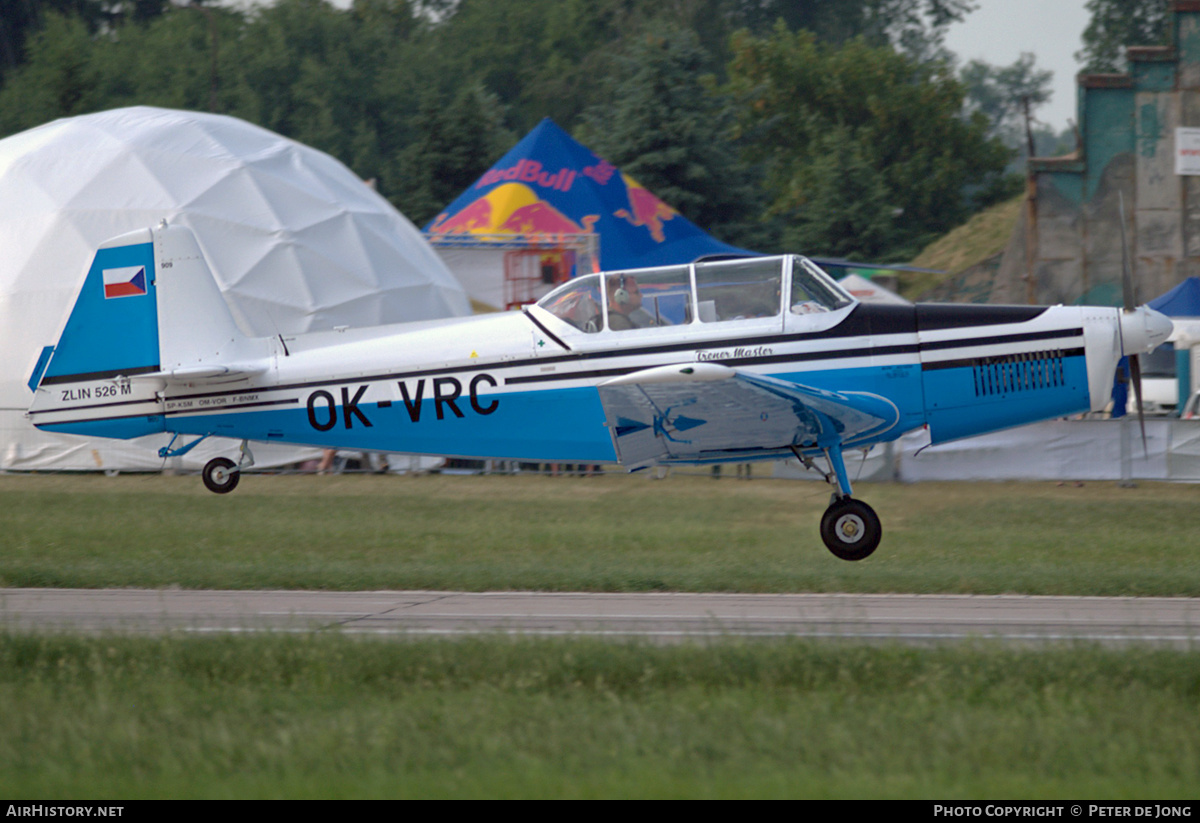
x=762, y=289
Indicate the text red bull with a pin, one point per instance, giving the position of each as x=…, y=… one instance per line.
x=530, y=171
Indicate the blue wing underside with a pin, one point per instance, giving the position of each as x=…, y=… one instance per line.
x=706, y=413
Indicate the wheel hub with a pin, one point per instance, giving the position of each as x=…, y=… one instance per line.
x=850, y=528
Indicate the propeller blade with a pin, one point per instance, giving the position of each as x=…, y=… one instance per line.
x=1127, y=291
x=1135, y=377
x=1129, y=296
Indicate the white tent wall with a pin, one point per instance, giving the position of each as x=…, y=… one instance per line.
x=1051, y=450
x=1060, y=450
x=480, y=271
x=27, y=449
x=478, y=261
x=295, y=240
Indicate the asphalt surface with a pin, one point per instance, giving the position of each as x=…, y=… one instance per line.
x=656, y=616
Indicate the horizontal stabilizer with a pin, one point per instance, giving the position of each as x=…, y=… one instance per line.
x=205, y=374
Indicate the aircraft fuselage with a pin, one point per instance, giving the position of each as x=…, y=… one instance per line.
x=508, y=386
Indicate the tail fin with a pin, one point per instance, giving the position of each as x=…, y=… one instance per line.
x=149, y=313
x=113, y=329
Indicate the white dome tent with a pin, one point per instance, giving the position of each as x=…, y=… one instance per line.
x=296, y=241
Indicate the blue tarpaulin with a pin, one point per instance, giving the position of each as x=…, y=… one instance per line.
x=549, y=184
x=1181, y=301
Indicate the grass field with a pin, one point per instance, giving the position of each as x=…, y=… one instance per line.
x=611, y=533
x=335, y=716
x=324, y=716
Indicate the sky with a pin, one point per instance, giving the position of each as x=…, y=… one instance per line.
x=999, y=30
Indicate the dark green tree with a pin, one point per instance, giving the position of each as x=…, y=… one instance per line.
x=1116, y=24
x=541, y=58
x=70, y=70
x=848, y=211
x=456, y=140
x=19, y=19
x=904, y=118
x=58, y=79
x=913, y=26
x=660, y=121
x=422, y=94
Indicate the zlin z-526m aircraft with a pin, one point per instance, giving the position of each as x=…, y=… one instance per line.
x=728, y=361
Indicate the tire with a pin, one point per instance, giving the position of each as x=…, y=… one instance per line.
x=851, y=529
x=221, y=475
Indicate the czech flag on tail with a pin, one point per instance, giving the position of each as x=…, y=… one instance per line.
x=128, y=281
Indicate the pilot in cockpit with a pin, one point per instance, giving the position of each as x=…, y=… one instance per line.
x=625, y=304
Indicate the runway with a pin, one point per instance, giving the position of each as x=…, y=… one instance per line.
x=657, y=617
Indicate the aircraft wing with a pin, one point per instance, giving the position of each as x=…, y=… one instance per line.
x=696, y=412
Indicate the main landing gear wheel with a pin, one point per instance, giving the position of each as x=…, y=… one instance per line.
x=221, y=475
x=850, y=529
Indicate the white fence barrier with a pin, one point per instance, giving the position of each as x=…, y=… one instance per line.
x=1053, y=450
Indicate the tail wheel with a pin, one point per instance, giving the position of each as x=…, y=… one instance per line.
x=850, y=529
x=221, y=475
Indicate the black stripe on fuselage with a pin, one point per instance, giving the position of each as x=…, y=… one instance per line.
x=110, y=374
x=291, y=401
x=546, y=331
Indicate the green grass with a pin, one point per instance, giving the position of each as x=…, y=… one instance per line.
x=334, y=716
x=612, y=533
x=327, y=716
x=985, y=235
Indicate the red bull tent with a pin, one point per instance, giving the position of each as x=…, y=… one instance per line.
x=550, y=186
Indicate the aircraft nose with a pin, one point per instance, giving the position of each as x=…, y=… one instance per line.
x=1144, y=330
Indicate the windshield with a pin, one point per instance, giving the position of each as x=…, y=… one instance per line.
x=577, y=302
x=813, y=290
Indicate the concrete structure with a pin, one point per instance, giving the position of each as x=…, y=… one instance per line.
x=1134, y=143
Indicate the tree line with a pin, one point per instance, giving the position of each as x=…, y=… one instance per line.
x=840, y=129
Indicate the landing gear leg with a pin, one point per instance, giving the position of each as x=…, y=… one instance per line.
x=850, y=528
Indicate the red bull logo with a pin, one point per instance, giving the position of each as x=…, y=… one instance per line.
x=475, y=217
x=645, y=209
x=601, y=172
x=529, y=171
x=513, y=208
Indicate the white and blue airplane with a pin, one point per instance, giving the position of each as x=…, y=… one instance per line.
x=727, y=361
